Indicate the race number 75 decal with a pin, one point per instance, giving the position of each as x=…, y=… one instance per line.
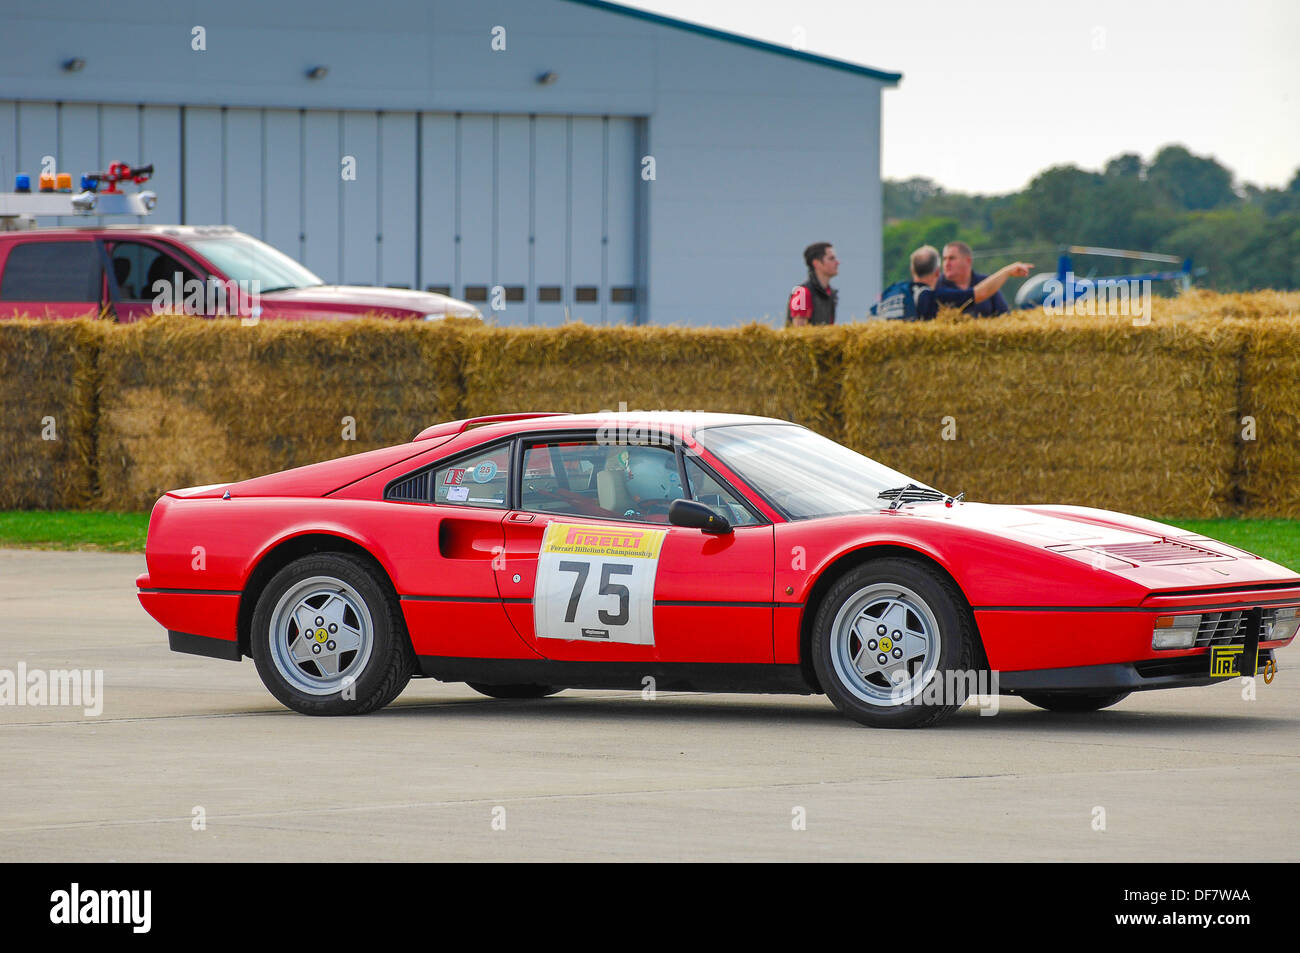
x=597, y=583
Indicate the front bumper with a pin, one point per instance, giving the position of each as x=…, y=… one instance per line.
x=1183, y=672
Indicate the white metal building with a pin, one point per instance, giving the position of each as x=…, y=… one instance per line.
x=588, y=158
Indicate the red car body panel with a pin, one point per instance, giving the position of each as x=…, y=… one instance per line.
x=1050, y=588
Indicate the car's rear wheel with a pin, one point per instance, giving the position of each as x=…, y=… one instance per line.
x=514, y=691
x=894, y=645
x=1066, y=702
x=328, y=638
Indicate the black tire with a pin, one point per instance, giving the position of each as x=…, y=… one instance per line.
x=514, y=691
x=956, y=639
x=1067, y=702
x=375, y=681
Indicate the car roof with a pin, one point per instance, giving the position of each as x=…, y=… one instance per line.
x=174, y=231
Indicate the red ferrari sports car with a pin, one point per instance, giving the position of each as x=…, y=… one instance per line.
x=528, y=553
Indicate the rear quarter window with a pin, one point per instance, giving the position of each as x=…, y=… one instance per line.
x=51, y=271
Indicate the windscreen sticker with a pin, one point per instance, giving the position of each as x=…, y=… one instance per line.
x=484, y=472
x=597, y=583
x=454, y=477
x=457, y=494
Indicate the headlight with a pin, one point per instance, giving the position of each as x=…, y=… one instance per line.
x=464, y=312
x=1175, y=632
x=1284, y=624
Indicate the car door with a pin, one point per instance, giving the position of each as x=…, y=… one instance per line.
x=593, y=571
x=52, y=278
x=451, y=542
x=148, y=278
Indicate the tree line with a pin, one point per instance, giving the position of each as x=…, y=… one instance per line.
x=1240, y=237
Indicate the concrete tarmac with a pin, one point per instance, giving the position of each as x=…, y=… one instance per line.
x=192, y=759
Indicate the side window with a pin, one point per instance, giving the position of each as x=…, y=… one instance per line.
x=52, y=271
x=482, y=480
x=138, y=267
x=705, y=489
x=585, y=478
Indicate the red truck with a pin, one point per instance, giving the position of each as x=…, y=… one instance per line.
x=127, y=272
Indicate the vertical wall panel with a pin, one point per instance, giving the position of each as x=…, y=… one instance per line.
x=38, y=137
x=587, y=161
x=550, y=216
x=622, y=174
x=513, y=162
x=321, y=165
x=360, y=223
x=79, y=150
x=438, y=190
x=242, y=185
x=9, y=145
x=282, y=185
x=397, y=161
x=477, y=172
x=119, y=141
x=204, y=173
x=160, y=144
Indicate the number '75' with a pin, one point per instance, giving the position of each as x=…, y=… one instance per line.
x=607, y=588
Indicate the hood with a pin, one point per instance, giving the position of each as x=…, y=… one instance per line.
x=1155, y=555
x=421, y=302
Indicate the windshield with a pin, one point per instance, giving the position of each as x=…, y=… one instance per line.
x=243, y=258
x=804, y=475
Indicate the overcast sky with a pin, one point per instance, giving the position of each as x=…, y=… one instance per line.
x=995, y=91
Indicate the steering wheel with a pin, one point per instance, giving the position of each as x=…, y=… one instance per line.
x=581, y=503
x=649, y=508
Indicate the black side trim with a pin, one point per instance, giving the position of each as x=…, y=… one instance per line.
x=658, y=602
x=737, y=605
x=204, y=645
x=198, y=592
x=756, y=678
x=448, y=599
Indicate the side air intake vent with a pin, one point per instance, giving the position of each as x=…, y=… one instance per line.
x=418, y=488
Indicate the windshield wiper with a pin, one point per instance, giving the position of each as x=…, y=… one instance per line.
x=917, y=494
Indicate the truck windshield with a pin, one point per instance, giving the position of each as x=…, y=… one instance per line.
x=801, y=473
x=244, y=258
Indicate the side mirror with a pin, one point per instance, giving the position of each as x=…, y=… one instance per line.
x=697, y=516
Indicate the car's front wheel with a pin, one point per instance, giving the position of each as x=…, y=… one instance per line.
x=1066, y=702
x=893, y=645
x=328, y=638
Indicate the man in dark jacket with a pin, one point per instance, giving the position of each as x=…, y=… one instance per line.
x=959, y=275
x=929, y=297
x=813, y=302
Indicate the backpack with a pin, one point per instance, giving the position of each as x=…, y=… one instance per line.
x=897, y=303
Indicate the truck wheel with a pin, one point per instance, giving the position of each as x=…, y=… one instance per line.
x=894, y=645
x=328, y=638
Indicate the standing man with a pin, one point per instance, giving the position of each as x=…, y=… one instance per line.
x=813, y=302
x=959, y=275
x=928, y=296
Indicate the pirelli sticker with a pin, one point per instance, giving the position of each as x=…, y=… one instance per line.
x=597, y=583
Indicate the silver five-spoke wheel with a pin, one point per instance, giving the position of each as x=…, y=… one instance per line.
x=321, y=635
x=885, y=644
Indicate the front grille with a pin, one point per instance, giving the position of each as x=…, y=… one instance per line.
x=1224, y=628
x=1161, y=551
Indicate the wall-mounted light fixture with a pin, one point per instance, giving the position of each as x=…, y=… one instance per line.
x=74, y=65
x=318, y=72
x=548, y=78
